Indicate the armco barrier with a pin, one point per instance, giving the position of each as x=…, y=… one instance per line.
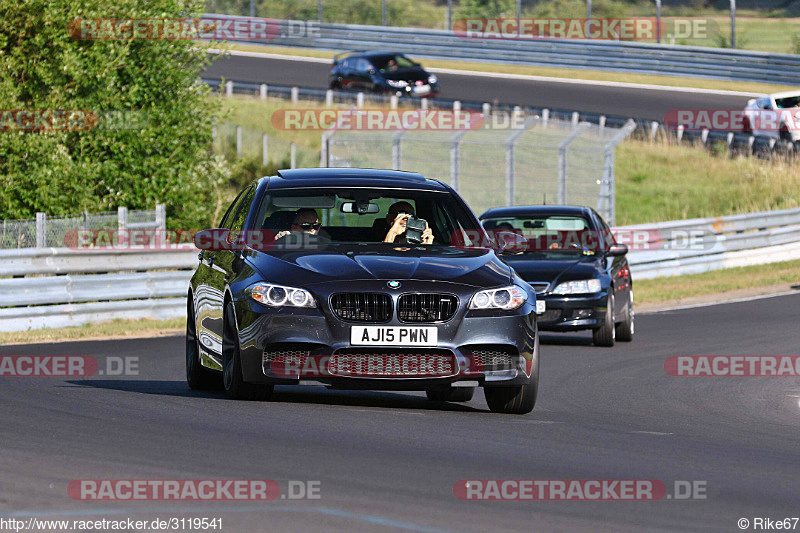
x=56, y=287
x=642, y=58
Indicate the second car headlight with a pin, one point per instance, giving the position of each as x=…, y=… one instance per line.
x=584, y=286
x=280, y=296
x=397, y=83
x=433, y=79
x=507, y=298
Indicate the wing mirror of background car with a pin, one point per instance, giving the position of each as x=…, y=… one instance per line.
x=508, y=241
x=360, y=208
x=618, y=250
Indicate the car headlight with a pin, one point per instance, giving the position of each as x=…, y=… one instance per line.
x=280, y=296
x=433, y=79
x=584, y=286
x=507, y=298
x=397, y=83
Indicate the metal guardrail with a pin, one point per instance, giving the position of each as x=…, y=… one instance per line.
x=699, y=245
x=151, y=284
x=618, y=56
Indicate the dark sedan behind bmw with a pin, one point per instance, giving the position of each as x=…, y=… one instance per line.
x=359, y=279
x=580, y=274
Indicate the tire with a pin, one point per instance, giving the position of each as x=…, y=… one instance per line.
x=518, y=400
x=624, y=330
x=605, y=335
x=746, y=128
x=232, y=377
x=197, y=376
x=453, y=394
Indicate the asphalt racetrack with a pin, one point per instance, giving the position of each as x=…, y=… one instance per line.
x=635, y=102
x=388, y=461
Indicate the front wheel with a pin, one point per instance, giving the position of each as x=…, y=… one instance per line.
x=605, y=335
x=624, y=330
x=232, y=377
x=452, y=394
x=517, y=400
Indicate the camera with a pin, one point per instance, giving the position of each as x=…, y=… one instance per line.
x=414, y=228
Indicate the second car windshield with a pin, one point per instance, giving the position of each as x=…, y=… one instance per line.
x=365, y=216
x=553, y=233
x=392, y=62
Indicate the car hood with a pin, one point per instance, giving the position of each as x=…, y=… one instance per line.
x=478, y=268
x=408, y=74
x=550, y=267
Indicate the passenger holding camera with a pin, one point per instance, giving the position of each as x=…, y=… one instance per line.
x=398, y=218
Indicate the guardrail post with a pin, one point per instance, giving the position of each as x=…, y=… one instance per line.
x=41, y=230
x=393, y=100
x=680, y=132
x=575, y=118
x=264, y=149
x=486, y=110
x=730, y=141
x=238, y=142
x=161, y=216
x=750, y=141
x=456, y=106
x=397, y=154
x=293, y=155
x=295, y=95
x=602, y=123
x=423, y=104
x=263, y=91
x=328, y=98
x=653, y=130
x=704, y=136
x=545, y=117
x=360, y=100
x=229, y=88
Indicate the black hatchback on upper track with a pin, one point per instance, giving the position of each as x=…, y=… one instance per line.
x=382, y=72
x=359, y=279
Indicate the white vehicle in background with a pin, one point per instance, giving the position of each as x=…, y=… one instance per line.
x=774, y=115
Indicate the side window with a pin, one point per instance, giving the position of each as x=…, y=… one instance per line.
x=348, y=64
x=363, y=65
x=226, y=219
x=243, y=210
x=608, y=236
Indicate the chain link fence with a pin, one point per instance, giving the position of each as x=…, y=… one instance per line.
x=51, y=231
x=237, y=142
x=544, y=162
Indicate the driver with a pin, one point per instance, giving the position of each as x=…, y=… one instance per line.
x=396, y=219
x=305, y=221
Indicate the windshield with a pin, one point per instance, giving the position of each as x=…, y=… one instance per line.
x=392, y=62
x=551, y=233
x=788, y=102
x=365, y=216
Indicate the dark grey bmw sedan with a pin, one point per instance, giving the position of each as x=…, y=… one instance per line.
x=359, y=279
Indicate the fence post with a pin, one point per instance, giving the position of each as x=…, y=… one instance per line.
x=41, y=230
x=360, y=100
x=161, y=216
x=545, y=117
x=455, y=158
x=238, y=142
x=602, y=123
x=393, y=101
x=397, y=158
x=122, y=223
x=292, y=155
x=295, y=95
x=510, y=169
x=229, y=88
x=562, y=159
x=263, y=91
x=329, y=98
x=680, y=133
x=264, y=149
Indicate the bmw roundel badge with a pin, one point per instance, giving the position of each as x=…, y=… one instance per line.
x=393, y=284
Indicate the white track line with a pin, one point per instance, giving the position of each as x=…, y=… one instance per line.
x=499, y=75
x=722, y=302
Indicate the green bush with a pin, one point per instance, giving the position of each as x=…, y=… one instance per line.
x=166, y=158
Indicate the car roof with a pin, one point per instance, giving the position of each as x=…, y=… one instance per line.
x=372, y=54
x=528, y=210
x=353, y=177
x=785, y=94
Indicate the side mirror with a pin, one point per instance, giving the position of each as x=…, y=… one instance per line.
x=618, y=250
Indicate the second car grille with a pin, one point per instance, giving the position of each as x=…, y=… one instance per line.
x=426, y=307
x=362, y=307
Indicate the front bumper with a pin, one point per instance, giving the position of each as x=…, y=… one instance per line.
x=486, y=348
x=573, y=313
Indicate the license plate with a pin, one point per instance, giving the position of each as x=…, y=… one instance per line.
x=541, y=307
x=393, y=336
x=422, y=89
